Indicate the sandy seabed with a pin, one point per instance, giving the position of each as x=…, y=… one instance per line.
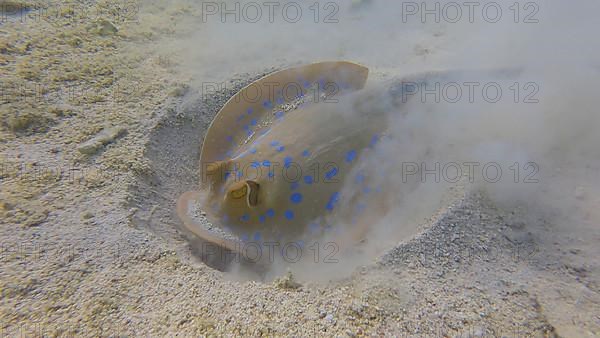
x=91, y=246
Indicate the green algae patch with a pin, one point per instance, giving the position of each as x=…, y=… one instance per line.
x=15, y=7
x=28, y=121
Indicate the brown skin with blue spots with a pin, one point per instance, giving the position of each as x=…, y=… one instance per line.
x=291, y=177
x=269, y=175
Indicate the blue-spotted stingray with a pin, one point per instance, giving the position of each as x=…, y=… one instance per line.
x=273, y=164
x=278, y=157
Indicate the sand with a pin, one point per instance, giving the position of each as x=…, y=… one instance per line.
x=90, y=244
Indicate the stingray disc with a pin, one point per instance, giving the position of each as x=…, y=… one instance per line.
x=246, y=119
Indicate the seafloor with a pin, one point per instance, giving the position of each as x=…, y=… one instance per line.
x=89, y=244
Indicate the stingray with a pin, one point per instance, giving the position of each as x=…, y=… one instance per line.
x=275, y=157
x=278, y=156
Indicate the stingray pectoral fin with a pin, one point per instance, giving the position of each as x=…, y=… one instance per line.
x=254, y=106
x=214, y=173
x=185, y=206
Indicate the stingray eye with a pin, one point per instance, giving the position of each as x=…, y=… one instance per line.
x=239, y=192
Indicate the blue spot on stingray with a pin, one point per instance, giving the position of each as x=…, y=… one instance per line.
x=245, y=218
x=244, y=238
x=306, y=153
x=246, y=127
x=289, y=214
x=225, y=218
x=279, y=114
x=296, y=198
x=270, y=213
x=331, y=173
x=262, y=218
x=266, y=163
x=306, y=84
x=350, y=156
x=239, y=174
x=255, y=164
x=268, y=104
x=249, y=132
x=229, y=138
x=333, y=199
x=253, y=122
x=226, y=176
x=280, y=100
x=280, y=148
x=294, y=185
x=274, y=143
x=229, y=153
x=249, y=111
x=257, y=236
x=241, y=117
x=271, y=174
x=308, y=179
x=252, y=150
x=287, y=161
x=366, y=190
